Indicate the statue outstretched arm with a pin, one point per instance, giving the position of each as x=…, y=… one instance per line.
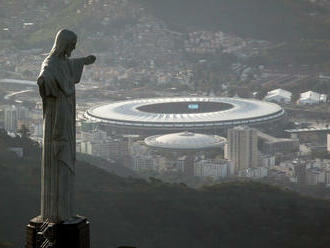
x=77, y=65
x=90, y=59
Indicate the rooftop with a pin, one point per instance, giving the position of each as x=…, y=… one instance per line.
x=185, y=141
x=131, y=113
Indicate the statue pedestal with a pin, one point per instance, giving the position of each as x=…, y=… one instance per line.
x=73, y=233
x=31, y=232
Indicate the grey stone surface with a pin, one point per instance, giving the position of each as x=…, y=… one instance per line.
x=57, y=79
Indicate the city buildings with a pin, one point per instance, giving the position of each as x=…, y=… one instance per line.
x=98, y=143
x=311, y=172
x=13, y=117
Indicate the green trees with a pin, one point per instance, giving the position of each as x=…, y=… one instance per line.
x=276, y=20
x=5, y=245
x=157, y=214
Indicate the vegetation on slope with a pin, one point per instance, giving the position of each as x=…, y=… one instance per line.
x=262, y=19
x=280, y=20
x=156, y=214
x=302, y=26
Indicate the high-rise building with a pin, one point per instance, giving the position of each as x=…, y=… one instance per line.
x=14, y=117
x=300, y=173
x=10, y=118
x=242, y=147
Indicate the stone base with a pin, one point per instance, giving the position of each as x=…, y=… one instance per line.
x=73, y=233
x=31, y=232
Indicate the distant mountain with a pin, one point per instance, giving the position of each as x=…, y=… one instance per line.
x=151, y=213
x=126, y=30
x=275, y=20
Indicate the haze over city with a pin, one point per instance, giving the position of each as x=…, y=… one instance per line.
x=188, y=123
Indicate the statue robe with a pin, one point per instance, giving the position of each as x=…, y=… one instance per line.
x=56, y=82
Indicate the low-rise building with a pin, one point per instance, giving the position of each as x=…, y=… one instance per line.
x=300, y=173
x=279, y=96
x=311, y=97
x=18, y=150
x=265, y=160
x=311, y=172
x=142, y=163
x=327, y=178
x=257, y=172
x=272, y=145
x=213, y=168
x=315, y=176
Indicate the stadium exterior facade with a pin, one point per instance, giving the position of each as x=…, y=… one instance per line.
x=178, y=114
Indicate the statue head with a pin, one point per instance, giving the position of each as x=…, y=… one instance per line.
x=65, y=43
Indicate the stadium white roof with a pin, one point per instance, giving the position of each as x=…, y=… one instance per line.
x=243, y=111
x=18, y=81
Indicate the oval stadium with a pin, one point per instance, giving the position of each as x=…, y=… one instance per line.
x=197, y=114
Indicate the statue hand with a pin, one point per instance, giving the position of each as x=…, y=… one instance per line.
x=90, y=59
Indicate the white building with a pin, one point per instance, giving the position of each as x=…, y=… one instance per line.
x=106, y=148
x=143, y=163
x=175, y=165
x=18, y=150
x=13, y=117
x=279, y=96
x=97, y=143
x=311, y=97
x=257, y=172
x=267, y=161
x=315, y=176
x=327, y=178
x=213, y=168
x=95, y=135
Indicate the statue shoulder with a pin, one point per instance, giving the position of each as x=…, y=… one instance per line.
x=47, y=77
x=50, y=62
x=49, y=68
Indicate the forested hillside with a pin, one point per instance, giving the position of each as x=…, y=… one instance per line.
x=275, y=20
x=298, y=28
x=279, y=20
x=155, y=214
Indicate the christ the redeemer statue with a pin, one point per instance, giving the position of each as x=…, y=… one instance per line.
x=56, y=81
